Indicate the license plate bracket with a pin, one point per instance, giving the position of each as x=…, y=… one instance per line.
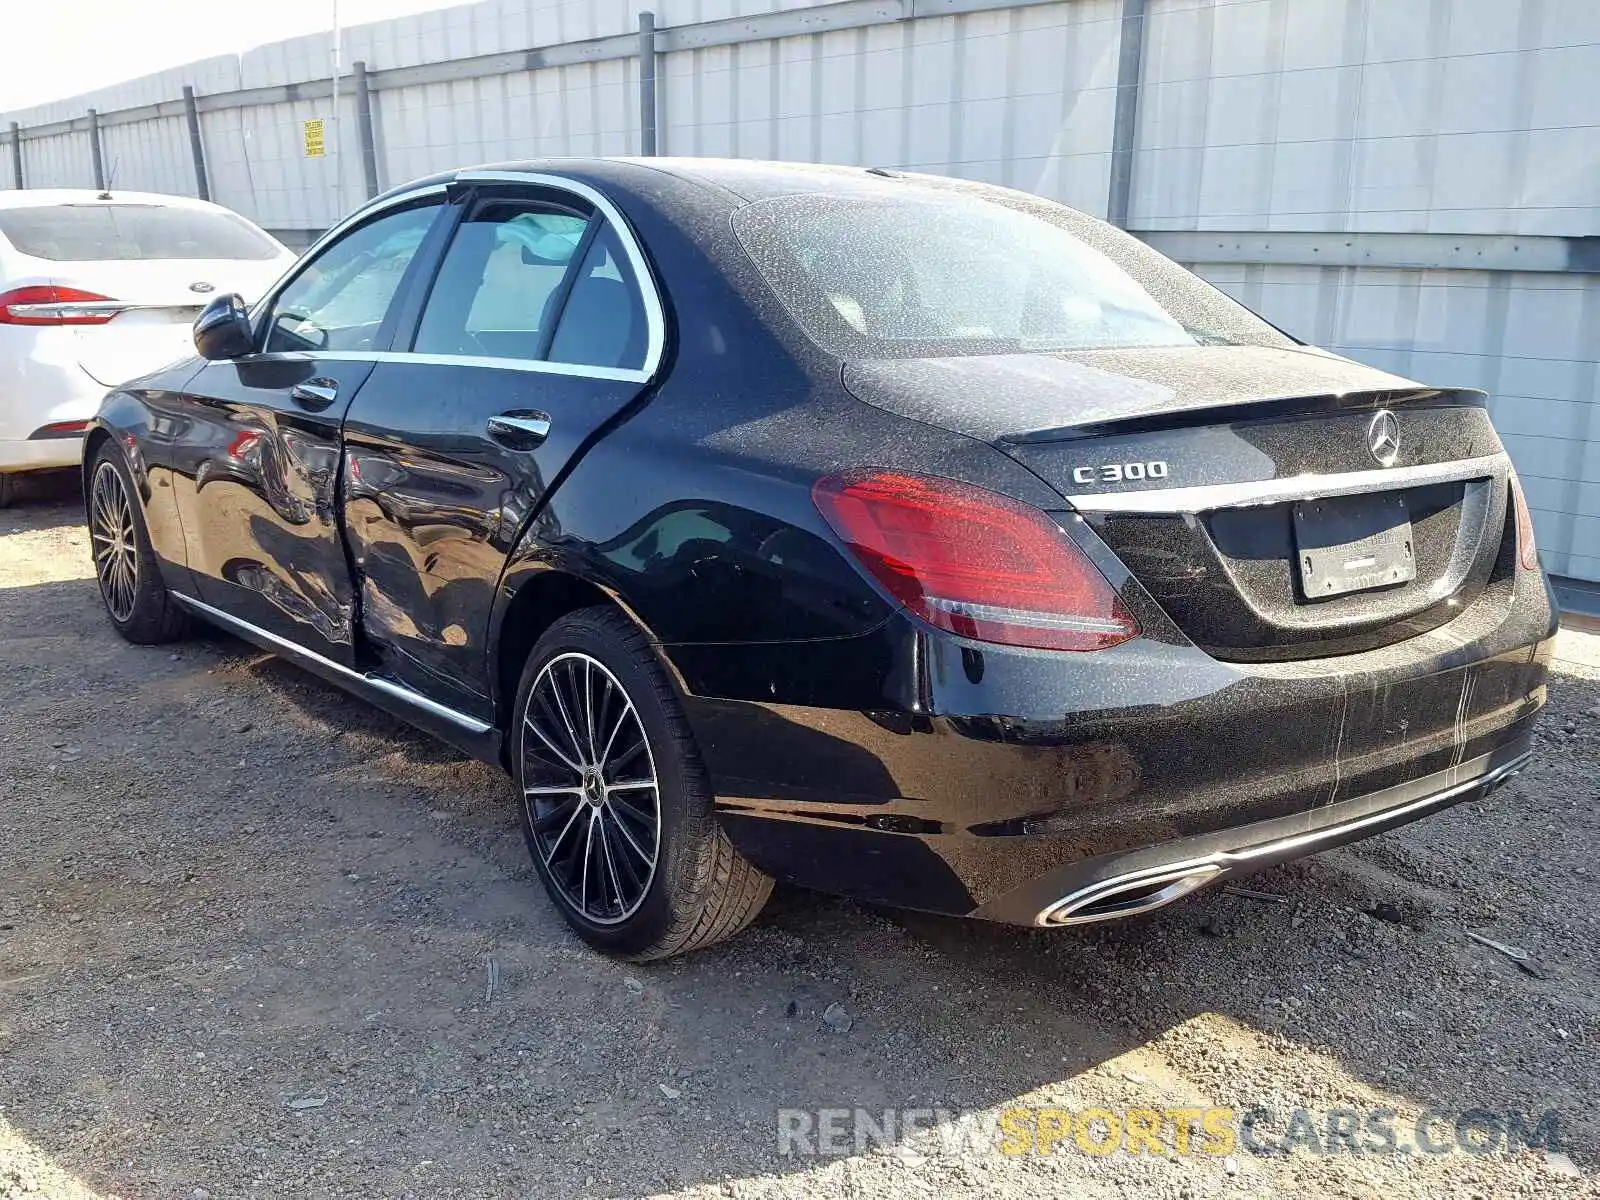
x=1350, y=544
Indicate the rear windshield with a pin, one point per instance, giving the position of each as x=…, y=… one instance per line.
x=98, y=232
x=936, y=272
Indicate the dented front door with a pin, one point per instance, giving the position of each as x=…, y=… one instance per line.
x=258, y=497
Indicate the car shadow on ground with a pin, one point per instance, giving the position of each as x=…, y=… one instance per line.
x=327, y=707
x=44, y=500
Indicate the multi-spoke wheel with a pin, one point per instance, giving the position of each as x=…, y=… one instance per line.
x=111, y=536
x=590, y=788
x=616, y=807
x=131, y=586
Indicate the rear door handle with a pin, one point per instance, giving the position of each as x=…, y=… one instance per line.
x=520, y=430
x=315, y=394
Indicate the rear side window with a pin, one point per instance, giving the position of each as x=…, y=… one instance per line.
x=105, y=232
x=501, y=281
x=603, y=323
x=527, y=279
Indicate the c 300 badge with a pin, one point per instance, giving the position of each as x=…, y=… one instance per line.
x=1129, y=472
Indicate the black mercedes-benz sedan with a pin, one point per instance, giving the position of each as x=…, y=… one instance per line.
x=906, y=538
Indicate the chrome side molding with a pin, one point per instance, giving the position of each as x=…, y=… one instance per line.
x=356, y=680
x=1205, y=498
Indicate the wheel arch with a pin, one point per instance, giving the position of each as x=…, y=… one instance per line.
x=96, y=436
x=527, y=608
x=123, y=418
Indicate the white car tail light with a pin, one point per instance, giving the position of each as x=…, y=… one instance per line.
x=51, y=305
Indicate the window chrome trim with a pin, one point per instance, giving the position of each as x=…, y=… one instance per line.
x=654, y=313
x=531, y=365
x=1183, y=501
x=649, y=294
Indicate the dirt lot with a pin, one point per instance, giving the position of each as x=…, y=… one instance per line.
x=247, y=926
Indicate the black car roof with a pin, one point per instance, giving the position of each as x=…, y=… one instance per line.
x=742, y=179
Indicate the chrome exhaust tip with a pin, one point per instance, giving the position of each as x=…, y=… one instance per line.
x=1129, y=895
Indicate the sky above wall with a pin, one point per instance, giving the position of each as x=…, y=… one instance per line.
x=53, y=49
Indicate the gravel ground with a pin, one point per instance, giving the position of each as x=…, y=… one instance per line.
x=247, y=926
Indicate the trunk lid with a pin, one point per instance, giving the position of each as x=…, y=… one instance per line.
x=1189, y=464
x=163, y=299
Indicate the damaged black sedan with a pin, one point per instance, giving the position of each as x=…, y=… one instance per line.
x=906, y=538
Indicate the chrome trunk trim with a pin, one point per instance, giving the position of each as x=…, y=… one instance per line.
x=1190, y=500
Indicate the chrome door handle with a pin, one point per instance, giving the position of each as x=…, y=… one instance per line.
x=315, y=394
x=520, y=430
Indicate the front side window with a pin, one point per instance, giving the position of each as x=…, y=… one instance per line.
x=501, y=281
x=338, y=301
x=940, y=273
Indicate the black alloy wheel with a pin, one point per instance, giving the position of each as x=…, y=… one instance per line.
x=114, y=541
x=590, y=788
x=617, y=808
x=135, y=595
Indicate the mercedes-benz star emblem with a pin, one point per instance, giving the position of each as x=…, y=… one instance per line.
x=202, y=286
x=1383, y=438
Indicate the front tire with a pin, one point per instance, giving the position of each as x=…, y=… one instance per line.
x=616, y=807
x=135, y=596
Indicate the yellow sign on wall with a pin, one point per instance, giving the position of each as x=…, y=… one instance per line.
x=316, y=147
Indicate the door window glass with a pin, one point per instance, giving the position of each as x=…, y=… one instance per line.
x=500, y=281
x=603, y=321
x=339, y=299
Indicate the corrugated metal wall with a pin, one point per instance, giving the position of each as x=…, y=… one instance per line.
x=1432, y=116
x=1338, y=120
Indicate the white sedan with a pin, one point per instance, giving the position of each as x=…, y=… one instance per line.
x=97, y=288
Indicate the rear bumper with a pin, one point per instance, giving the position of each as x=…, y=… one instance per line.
x=40, y=455
x=1109, y=886
x=912, y=769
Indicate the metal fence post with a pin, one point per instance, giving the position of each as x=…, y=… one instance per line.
x=95, y=152
x=647, y=83
x=1125, y=125
x=16, y=155
x=191, y=112
x=369, y=147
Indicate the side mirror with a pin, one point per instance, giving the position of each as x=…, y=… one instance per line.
x=222, y=330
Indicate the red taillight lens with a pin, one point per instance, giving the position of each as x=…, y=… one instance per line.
x=1527, y=548
x=975, y=563
x=51, y=305
x=59, y=429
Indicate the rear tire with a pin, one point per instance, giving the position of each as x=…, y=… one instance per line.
x=135, y=596
x=8, y=489
x=641, y=870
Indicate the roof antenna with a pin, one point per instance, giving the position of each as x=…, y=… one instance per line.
x=111, y=178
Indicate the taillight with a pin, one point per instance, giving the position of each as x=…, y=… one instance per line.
x=973, y=562
x=1527, y=548
x=51, y=305
x=59, y=429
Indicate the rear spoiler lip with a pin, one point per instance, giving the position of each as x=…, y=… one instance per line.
x=1269, y=408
